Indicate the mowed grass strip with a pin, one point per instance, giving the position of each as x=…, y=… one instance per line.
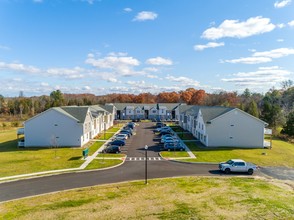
x=176, y=198
x=103, y=163
x=174, y=154
x=281, y=154
x=15, y=161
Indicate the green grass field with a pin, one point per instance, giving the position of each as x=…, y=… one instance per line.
x=281, y=154
x=174, y=154
x=103, y=163
x=175, y=198
x=15, y=161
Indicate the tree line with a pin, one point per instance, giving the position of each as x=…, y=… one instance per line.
x=274, y=107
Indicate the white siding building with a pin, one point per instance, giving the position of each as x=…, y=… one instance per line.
x=71, y=126
x=222, y=126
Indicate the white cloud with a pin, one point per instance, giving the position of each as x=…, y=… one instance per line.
x=44, y=84
x=263, y=57
x=282, y=25
x=237, y=29
x=19, y=67
x=291, y=23
x=280, y=40
x=128, y=9
x=263, y=77
x=150, y=76
x=145, y=15
x=69, y=73
x=86, y=88
x=282, y=4
x=134, y=83
x=159, y=61
x=250, y=60
x=121, y=65
x=277, y=53
x=208, y=45
x=184, y=81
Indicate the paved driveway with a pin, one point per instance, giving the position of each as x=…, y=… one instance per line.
x=131, y=170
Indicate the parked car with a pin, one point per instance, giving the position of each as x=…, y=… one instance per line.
x=129, y=130
x=166, y=128
x=237, y=165
x=117, y=142
x=121, y=137
x=126, y=132
x=165, y=132
x=160, y=124
x=131, y=125
x=174, y=147
x=112, y=149
x=167, y=137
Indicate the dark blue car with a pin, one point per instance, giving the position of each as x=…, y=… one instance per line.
x=117, y=142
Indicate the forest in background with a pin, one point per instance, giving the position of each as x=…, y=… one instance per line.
x=274, y=107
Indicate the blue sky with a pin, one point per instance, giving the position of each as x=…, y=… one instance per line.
x=131, y=46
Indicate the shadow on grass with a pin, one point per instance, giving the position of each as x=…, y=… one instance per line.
x=75, y=158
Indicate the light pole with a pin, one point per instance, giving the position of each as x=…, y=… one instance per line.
x=146, y=148
x=182, y=129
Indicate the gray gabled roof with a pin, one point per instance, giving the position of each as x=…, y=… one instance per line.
x=78, y=112
x=168, y=106
x=210, y=113
x=108, y=107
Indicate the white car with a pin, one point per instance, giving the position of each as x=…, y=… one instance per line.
x=121, y=137
x=237, y=165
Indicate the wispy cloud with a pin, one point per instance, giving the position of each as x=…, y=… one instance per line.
x=122, y=65
x=276, y=53
x=183, y=81
x=38, y=1
x=145, y=15
x=261, y=78
x=291, y=23
x=18, y=67
x=263, y=57
x=250, y=60
x=2, y=47
x=200, y=47
x=159, y=61
x=128, y=9
x=282, y=4
x=237, y=29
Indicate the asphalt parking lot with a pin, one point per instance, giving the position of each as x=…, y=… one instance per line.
x=135, y=145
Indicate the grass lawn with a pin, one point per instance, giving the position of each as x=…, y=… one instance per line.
x=281, y=154
x=100, y=163
x=94, y=147
x=105, y=136
x=186, y=136
x=113, y=129
x=111, y=155
x=177, y=128
x=174, y=154
x=175, y=198
x=16, y=161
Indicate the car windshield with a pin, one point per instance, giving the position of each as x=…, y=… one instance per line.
x=230, y=162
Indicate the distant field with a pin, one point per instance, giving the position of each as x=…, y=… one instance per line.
x=281, y=154
x=175, y=198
